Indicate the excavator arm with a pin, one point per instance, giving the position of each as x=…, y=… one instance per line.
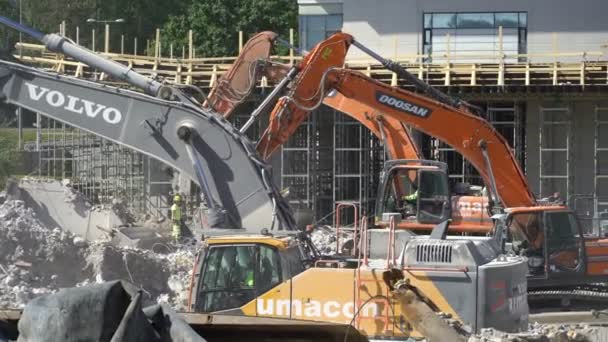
x=199, y=143
x=288, y=115
x=254, y=62
x=468, y=134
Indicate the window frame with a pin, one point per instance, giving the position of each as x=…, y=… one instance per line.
x=303, y=28
x=522, y=19
x=521, y=27
x=201, y=290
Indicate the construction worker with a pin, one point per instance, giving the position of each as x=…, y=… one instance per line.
x=249, y=282
x=246, y=267
x=411, y=198
x=176, y=218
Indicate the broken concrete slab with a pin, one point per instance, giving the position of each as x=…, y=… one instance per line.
x=56, y=205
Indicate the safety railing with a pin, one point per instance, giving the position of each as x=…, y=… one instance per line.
x=340, y=206
x=362, y=282
x=457, y=70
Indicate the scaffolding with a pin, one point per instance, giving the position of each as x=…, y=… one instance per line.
x=600, y=181
x=507, y=118
x=104, y=172
x=296, y=156
x=357, y=161
x=555, y=131
x=331, y=158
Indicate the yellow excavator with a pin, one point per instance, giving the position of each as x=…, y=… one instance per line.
x=445, y=283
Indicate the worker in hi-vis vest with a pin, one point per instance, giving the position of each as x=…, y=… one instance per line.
x=176, y=218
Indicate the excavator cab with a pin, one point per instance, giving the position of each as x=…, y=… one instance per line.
x=418, y=190
x=233, y=270
x=550, y=239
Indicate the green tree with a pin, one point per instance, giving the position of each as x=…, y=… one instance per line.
x=141, y=17
x=7, y=36
x=215, y=24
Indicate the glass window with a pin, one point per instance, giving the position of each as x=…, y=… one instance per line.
x=427, y=36
x=399, y=193
x=444, y=20
x=315, y=28
x=433, y=197
x=563, y=244
x=526, y=227
x=475, y=20
x=506, y=20
x=228, y=279
x=292, y=262
x=270, y=270
x=228, y=267
x=428, y=20
x=333, y=22
x=474, y=32
x=523, y=19
x=562, y=225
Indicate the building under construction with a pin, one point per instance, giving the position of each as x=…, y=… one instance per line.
x=541, y=80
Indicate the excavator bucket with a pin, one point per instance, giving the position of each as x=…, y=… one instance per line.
x=234, y=86
x=307, y=91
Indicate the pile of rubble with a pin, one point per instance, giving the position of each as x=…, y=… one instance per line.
x=35, y=260
x=543, y=333
x=324, y=238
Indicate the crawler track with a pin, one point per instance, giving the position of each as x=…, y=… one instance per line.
x=580, y=296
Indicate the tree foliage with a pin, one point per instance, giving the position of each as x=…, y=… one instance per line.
x=141, y=17
x=215, y=23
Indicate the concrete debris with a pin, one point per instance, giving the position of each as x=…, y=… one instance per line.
x=324, y=238
x=35, y=260
x=542, y=333
x=60, y=204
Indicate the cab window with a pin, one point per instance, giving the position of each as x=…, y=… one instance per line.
x=525, y=231
x=562, y=225
x=564, y=245
x=433, y=197
x=270, y=269
x=399, y=193
x=233, y=275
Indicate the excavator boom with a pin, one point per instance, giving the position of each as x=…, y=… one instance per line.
x=198, y=143
x=287, y=115
x=465, y=132
x=238, y=179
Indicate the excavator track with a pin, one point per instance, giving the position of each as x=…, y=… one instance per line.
x=590, y=295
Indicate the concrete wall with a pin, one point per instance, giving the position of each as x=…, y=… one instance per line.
x=580, y=25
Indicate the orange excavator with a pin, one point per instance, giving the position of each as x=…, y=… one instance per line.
x=559, y=257
x=468, y=213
